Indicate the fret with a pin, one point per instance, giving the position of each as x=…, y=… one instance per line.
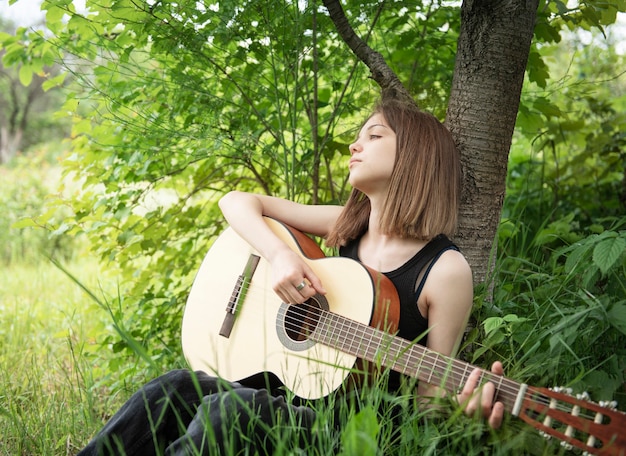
x=369, y=343
x=340, y=323
x=404, y=358
x=432, y=371
x=322, y=331
x=373, y=346
x=345, y=327
x=464, y=377
x=383, y=350
x=450, y=379
x=405, y=364
x=398, y=354
x=499, y=390
x=508, y=394
x=358, y=335
x=348, y=335
x=418, y=370
x=366, y=342
x=375, y=337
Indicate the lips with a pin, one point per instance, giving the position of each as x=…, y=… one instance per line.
x=353, y=161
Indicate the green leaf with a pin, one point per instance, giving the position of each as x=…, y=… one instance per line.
x=512, y=318
x=547, y=32
x=54, y=82
x=491, y=324
x=26, y=75
x=617, y=317
x=603, y=385
x=537, y=69
x=577, y=254
x=607, y=252
x=360, y=434
x=5, y=37
x=24, y=223
x=547, y=108
x=591, y=16
x=54, y=15
x=61, y=229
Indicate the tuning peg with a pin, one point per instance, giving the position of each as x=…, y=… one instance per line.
x=562, y=389
x=545, y=435
x=584, y=396
x=608, y=404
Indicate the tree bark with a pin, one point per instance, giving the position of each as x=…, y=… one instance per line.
x=9, y=143
x=492, y=53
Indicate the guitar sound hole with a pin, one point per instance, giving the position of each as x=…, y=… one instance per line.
x=301, y=320
x=296, y=322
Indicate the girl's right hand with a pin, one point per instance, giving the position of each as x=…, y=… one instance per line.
x=292, y=279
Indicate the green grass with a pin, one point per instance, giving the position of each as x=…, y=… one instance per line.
x=55, y=374
x=50, y=360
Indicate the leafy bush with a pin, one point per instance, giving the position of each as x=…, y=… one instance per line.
x=28, y=211
x=563, y=322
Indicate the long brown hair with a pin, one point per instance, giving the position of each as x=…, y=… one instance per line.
x=424, y=191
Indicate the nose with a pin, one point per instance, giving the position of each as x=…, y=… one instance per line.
x=354, y=147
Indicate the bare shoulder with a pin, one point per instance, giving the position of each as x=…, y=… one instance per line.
x=450, y=280
x=452, y=265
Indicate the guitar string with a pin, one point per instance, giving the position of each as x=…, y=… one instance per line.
x=364, y=329
x=402, y=350
x=506, y=385
x=440, y=361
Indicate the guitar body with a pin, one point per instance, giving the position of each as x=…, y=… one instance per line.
x=262, y=338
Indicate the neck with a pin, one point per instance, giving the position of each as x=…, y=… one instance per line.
x=373, y=227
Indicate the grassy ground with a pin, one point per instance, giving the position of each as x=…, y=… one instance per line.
x=53, y=372
x=49, y=360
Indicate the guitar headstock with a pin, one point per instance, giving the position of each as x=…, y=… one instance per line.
x=598, y=429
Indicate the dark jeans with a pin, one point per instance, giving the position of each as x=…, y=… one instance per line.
x=186, y=413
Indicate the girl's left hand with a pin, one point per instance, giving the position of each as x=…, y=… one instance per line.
x=479, y=400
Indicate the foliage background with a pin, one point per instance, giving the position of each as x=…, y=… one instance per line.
x=178, y=105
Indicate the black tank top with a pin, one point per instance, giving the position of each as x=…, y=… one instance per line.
x=409, y=280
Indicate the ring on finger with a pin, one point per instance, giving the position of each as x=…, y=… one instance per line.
x=301, y=285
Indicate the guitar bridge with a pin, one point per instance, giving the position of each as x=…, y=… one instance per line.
x=238, y=295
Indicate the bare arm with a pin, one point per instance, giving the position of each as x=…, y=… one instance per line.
x=448, y=296
x=244, y=212
x=447, y=300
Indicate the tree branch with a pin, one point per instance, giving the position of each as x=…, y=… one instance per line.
x=391, y=86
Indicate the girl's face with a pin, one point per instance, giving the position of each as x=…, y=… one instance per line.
x=373, y=155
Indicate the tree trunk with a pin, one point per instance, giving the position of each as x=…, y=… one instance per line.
x=9, y=143
x=492, y=54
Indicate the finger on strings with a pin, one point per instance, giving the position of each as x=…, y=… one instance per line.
x=497, y=368
x=497, y=415
x=471, y=383
x=487, y=396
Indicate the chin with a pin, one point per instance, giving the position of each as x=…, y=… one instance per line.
x=354, y=181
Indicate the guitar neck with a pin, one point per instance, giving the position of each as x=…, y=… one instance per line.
x=408, y=358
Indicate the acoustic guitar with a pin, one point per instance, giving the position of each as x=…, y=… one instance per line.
x=235, y=326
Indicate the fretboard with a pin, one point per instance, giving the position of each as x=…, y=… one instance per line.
x=406, y=357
